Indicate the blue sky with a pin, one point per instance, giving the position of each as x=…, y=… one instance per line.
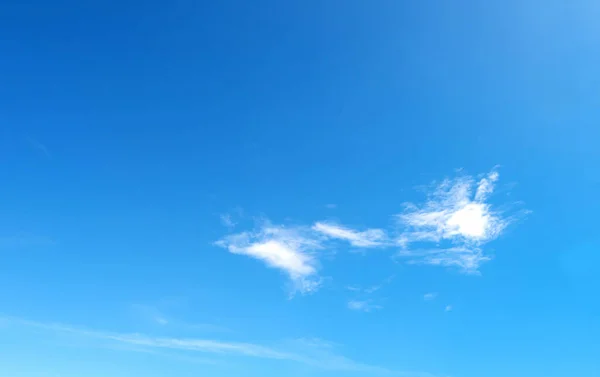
x=305, y=188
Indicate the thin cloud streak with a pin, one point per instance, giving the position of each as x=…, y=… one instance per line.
x=370, y=289
x=363, y=239
x=363, y=306
x=316, y=353
x=199, y=345
x=155, y=316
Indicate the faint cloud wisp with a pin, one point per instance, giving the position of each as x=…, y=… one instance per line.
x=39, y=147
x=227, y=221
x=430, y=296
x=312, y=352
x=364, y=239
x=363, y=306
x=151, y=314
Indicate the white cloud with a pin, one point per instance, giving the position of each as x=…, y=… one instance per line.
x=430, y=296
x=288, y=249
x=363, y=306
x=448, y=308
x=330, y=206
x=449, y=228
x=364, y=239
x=453, y=214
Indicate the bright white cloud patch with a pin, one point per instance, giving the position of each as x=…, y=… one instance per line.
x=456, y=212
x=365, y=239
x=288, y=249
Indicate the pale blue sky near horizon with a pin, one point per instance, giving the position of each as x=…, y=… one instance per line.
x=304, y=188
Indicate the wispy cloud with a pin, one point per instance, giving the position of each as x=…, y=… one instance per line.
x=448, y=308
x=330, y=206
x=456, y=212
x=430, y=296
x=324, y=355
x=184, y=344
x=449, y=228
x=152, y=314
x=370, y=289
x=288, y=249
x=466, y=258
x=39, y=147
x=363, y=306
x=176, y=356
x=452, y=213
x=364, y=299
x=227, y=221
x=312, y=352
x=364, y=239
x=293, y=249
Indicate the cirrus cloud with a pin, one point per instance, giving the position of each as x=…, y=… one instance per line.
x=363, y=306
x=290, y=250
x=457, y=213
x=315, y=353
x=364, y=239
x=449, y=228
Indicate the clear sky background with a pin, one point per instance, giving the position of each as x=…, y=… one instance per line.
x=299, y=188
